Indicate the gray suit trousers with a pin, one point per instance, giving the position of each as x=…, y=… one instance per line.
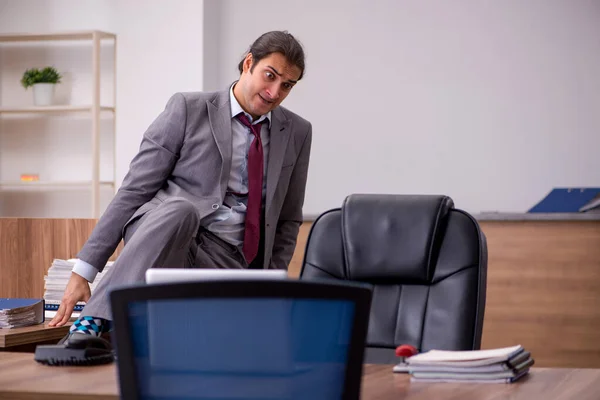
x=168, y=236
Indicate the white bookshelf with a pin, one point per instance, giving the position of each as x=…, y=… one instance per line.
x=47, y=37
x=51, y=109
x=65, y=185
x=93, y=109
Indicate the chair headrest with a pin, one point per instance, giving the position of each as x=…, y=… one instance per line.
x=391, y=237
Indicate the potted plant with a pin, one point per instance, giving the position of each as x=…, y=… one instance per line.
x=43, y=82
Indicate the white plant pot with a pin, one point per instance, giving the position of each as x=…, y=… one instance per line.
x=43, y=94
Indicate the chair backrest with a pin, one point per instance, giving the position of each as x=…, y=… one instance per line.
x=426, y=260
x=241, y=339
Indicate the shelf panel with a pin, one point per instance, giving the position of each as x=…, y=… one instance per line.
x=45, y=37
x=51, y=109
x=52, y=185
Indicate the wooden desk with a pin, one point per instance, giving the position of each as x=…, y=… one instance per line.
x=28, y=337
x=21, y=378
x=28, y=246
x=542, y=289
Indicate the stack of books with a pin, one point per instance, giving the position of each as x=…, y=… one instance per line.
x=56, y=281
x=15, y=313
x=504, y=365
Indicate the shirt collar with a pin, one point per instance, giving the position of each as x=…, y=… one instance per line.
x=236, y=109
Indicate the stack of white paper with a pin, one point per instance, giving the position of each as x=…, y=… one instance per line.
x=56, y=281
x=496, y=365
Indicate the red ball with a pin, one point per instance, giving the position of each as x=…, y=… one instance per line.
x=406, y=350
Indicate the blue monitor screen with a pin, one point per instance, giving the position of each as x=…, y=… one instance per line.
x=257, y=348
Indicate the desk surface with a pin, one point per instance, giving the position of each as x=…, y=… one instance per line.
x=505, y=216
x=31, y=335
x=22, y=378
x=516, y=216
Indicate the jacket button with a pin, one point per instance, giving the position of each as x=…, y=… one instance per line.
x=215, y=206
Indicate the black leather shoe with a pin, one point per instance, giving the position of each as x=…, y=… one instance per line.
x=82, y=336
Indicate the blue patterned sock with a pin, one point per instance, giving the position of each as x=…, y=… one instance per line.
x=91, y=326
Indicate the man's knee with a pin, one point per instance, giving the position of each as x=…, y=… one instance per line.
x=178, y=210
x=174, y=214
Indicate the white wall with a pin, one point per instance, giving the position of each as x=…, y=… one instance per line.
x=159, y=53
x=492, y=103
x=212, y=45
x=55, y=15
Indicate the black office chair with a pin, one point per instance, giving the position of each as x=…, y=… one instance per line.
x=426, y=260
x=241, y=339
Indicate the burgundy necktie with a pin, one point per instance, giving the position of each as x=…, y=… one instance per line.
x=255, y=186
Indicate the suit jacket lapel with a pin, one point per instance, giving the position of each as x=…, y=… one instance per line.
x=279, y=137
x=219, y=114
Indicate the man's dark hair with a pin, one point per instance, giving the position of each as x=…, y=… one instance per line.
x=276, y=42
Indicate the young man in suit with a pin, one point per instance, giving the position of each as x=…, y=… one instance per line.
x=218, y=182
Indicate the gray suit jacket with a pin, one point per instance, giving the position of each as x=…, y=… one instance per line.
x=186, y=152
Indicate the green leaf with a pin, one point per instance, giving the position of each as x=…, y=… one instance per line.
x=45, y=75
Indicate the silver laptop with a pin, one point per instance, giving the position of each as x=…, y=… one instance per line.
x=174, y=275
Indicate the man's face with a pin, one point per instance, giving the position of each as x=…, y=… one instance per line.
x=264, y=88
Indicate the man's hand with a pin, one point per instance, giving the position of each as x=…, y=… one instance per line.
x=78, y=289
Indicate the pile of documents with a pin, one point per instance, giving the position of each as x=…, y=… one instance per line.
x=15, y=313
x=56, y=282
x=503, y=365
